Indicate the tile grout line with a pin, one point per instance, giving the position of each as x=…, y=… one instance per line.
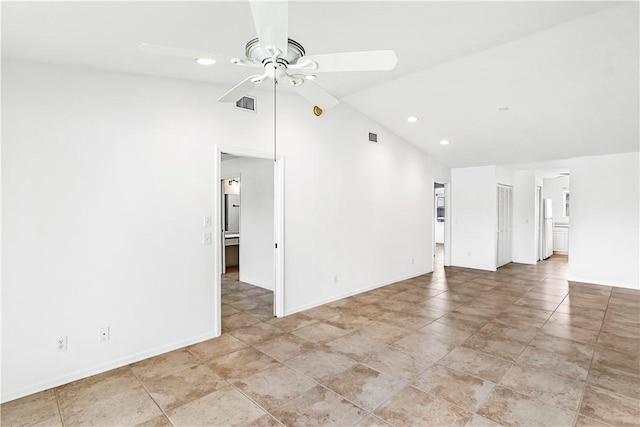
x=407, y=383
x=593, y=356
x=253, y=346
x=576, y=411
x=229, y=383
x=55, y=394
x=151, y=396
x=513, y=363
x=318, y=383
x=267, y=412
x=412, y=384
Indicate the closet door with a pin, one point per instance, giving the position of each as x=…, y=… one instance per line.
x=505, y=220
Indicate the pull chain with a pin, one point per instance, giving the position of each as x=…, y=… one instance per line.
x=275, y=96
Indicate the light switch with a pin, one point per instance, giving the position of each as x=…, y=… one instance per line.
x=206, y=239
x=207, y=221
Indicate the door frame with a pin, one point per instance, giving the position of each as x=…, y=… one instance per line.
x=447, y=222
x=448, y=206
x=278, y=217
x=538, y=224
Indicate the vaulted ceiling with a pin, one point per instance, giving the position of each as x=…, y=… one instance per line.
x=567, y=71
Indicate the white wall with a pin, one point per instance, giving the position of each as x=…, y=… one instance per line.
x=350, y=206
x=474, y=215
x=605, y=229
x=256, y=218
x=504, y=176
x=473, y=210
x=106, y=178
x=552, y=189
x=524, y=217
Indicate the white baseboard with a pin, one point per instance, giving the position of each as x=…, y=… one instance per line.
x=8, y=395
x=601, y=282
x=352, y=293
x=252, y=283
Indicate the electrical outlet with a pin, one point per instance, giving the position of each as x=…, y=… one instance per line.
x=413, y=261
x=61, y=344
x=105, y=334
x=206, y=239
x=207, y=221
x=334, y=279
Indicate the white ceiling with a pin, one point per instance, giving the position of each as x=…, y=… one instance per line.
x=567, y=70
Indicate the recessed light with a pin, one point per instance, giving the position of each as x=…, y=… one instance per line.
x=503, y=108
x=444, y=142
x=205, y=61
x=310, y=76
x=412, y=119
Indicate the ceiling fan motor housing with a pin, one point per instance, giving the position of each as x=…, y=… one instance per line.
x=259, y=55
x=285, y=59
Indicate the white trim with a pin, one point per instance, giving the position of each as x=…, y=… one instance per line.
x=217, y=242
x=230, y=175
x=84, y=373
x=242, y=152
x=278, y=217
x=447, y=223
x=258, y=285
x=359, y=291
x=434, y=218
x=278, y=230
x=600, y=282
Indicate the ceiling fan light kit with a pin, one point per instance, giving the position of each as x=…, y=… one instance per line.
x=284, y=59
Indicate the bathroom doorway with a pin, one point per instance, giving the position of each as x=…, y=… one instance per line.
x=230, y=215
x=249, y=241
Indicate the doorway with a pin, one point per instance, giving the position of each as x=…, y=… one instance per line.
x=230, y=221
x=441, y=224
x=249, y=244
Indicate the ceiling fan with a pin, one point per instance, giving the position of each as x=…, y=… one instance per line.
x=284, y=59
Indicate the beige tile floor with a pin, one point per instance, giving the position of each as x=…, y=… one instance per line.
x=520, y=346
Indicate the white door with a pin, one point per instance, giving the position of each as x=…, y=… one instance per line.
x=538, y=222
x=505, y=218
x=223, y=221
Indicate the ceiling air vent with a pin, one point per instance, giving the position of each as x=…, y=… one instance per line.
x=247, y=103
x=373, y=137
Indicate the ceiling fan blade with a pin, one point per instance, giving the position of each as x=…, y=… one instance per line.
x=315, y=94
x=182, y=53
x=242, y=88
x=271, y=19
x=349, y=61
